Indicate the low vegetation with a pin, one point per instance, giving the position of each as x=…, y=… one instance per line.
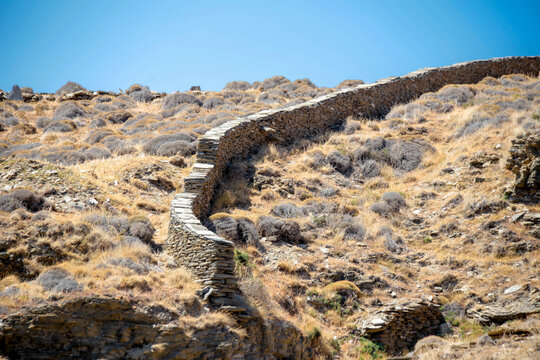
x=327, y=230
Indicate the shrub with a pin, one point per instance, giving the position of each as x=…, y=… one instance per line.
x=352, y=126
x=97, y=136
x=269, y=99
x=352, y=230
x=130, y=264
x=280, y=230
x=241, y=258
x=31, y=201
x=289, y=88
x=477, y=122
x=247, y=99
x=142, y=230
x=97, y=123
x=238, y=85
x=11, y=121
x=179, y=147
x=102, y=99
x=8, y=203
x=394, y=200
x=26, y=107
x=97, y=152
x=152, y=146
x=42, y=122
x=118, y=146
x=175, y=99
x=273, y=82
x=288, y=210
x=212, y=102
x=322, y=207
x=140, y=93
x=120, y=224
x=113, y=225
x=69, y=87
x=411, y=111
x=376, y=144
x=68, y=110
x=64, y=157
x=328, y=192
x=394, y=245
x=144, y=95
x=58, y=280
x=9, y=291
x=380, y=208
x=401, y=155
x=370, y=169
x=40, y=216
x=340, y=162
x=105, y=107
x=201, y=130
x=457, y=94
x=60, y=126
x=22, y=198
x=118, y=117
x=132, y=241
x=407, y=155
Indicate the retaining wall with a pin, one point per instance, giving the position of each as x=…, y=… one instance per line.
x=209, y=256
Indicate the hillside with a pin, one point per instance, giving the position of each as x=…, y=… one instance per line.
x=415, y=211
x=419, y=204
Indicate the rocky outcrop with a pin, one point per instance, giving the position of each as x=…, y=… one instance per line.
x=524, y=161
x=208, y=255
x=112, y=328
x=401, y=325
x=79, y=95
x=15, y=94
x=498, y=313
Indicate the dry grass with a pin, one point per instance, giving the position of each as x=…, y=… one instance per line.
x=443, y=250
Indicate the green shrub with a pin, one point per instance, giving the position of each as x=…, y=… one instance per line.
x=241, y=258
x=371, y=348
x=314, y=333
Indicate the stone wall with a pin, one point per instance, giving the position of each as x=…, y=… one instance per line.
x=524, y=162
x=210, y=256
x=113, y=328
x=399, y=326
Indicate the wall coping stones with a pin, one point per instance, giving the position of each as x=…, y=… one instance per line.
x=191, y=244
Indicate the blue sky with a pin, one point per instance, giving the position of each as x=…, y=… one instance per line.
x=171, y=45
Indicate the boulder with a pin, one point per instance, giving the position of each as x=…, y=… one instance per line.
x=15, y=94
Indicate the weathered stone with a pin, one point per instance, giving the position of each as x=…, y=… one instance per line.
x=401, y=325
x=15, y=94
x=122, y=329
x=524, y=161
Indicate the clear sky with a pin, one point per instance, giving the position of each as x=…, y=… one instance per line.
x=171, y=45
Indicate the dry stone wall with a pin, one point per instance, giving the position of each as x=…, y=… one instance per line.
x=401, y=325
x=210, y=256
x=114, y=328
x=524, y=161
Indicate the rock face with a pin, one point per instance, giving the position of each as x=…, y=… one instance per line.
x=520, y=307
x=15, y=94
x=208, y=255
x=108, y=328
x=524, y=161
x=400, y=326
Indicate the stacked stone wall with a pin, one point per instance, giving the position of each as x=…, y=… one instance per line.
x=399, y=326
x=209, y=256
